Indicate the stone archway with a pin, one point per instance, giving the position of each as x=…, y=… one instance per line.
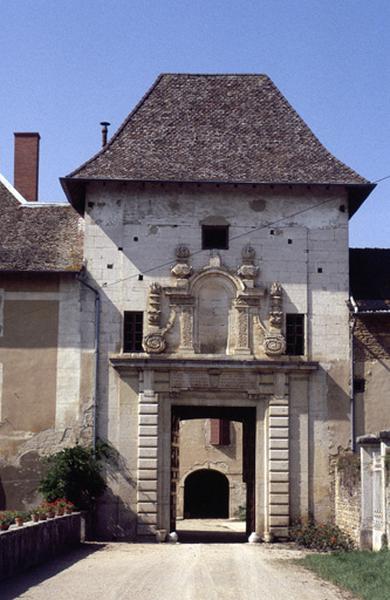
x=206, y=495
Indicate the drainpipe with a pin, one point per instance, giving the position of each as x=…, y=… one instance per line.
x=354, y=315
x=96, y=352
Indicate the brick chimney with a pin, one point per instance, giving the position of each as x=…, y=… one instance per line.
x=26, y=164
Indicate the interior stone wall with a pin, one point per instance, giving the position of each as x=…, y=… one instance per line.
x=196, y=452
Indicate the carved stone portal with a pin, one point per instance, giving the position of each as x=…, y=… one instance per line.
x=276, y=309
x=215, y=309
x=187, y=329
x=154, y=341
x=214, y=296
x=274, y=340
x=182, y=270
x=274, y=344
x=248, y=271
x=154, y=304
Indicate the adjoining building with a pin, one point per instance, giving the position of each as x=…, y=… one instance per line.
x=195, y=291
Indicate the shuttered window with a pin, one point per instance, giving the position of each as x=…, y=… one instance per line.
x=219, y=432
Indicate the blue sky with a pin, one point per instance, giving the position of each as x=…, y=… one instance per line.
x=67, y=65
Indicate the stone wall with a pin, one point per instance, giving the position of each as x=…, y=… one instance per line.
x=32, y=544
x=348, y=503
x=197, y=452
x=131, y=235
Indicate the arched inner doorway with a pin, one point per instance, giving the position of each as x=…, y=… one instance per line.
x=206, y=495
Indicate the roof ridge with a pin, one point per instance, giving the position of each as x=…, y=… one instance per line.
x=143, y=100
x=214, y=74
x=12, y=190
x=215, y=127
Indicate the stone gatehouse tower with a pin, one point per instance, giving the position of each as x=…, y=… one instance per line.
x=215, y=284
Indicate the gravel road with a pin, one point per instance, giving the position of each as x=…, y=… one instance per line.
x=172, y=572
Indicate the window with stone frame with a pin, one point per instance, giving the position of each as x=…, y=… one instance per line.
x=133, y=331
x=295, y=334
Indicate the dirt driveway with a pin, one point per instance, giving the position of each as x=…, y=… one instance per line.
x=172, y=572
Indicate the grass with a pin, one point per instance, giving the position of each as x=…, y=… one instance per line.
x=365, y=574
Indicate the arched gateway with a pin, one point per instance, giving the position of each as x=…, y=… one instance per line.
x=219, y=249
x=221, y=371
x=206, y=495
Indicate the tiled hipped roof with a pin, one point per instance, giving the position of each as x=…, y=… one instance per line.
x=39, y=237
x=227, y=128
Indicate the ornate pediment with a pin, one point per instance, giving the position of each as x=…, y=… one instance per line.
x=214, y=310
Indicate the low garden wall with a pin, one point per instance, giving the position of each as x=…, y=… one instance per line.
x=34, y=543
x=348, y=497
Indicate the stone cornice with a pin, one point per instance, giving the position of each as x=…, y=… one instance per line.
x=164, y=363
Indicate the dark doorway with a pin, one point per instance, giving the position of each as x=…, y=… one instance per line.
x=206, y=495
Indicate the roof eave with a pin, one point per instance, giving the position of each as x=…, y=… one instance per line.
x=74, y=188
x=357, y=194
x=63, y=271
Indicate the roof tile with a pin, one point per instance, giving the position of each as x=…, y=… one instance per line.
x=236, y=128
x=39, y=237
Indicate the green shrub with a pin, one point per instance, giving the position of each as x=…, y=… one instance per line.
x=348, y=466
x=75, y=474
x=7, y=517
x=324, y=537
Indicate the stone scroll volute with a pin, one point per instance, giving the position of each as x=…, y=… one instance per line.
x=154, y=341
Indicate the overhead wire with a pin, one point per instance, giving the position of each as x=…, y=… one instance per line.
x=381, y=179
x=237, y=236
x=234, y=237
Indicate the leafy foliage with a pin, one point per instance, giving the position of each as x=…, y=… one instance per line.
x=7, y=517
x=75, y=474
x=348, y=466
x=323, y=536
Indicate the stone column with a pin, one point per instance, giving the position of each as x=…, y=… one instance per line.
x=186, y=329
x=243, y=334
x=147, y=458
x=278, y=460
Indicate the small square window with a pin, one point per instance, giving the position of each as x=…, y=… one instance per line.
x=133, y=331
x=295, y=334
x=215, y=237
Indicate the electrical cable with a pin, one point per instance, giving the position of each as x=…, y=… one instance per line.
x=239, y=235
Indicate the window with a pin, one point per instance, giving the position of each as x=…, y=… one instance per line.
x=215, y=237
x=132, y=331
x=359, y=385
x=219, y=432
x=295, y=334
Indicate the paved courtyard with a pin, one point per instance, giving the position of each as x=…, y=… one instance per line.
x=186, y=571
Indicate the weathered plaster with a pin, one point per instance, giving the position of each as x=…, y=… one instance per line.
x=134, y=230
